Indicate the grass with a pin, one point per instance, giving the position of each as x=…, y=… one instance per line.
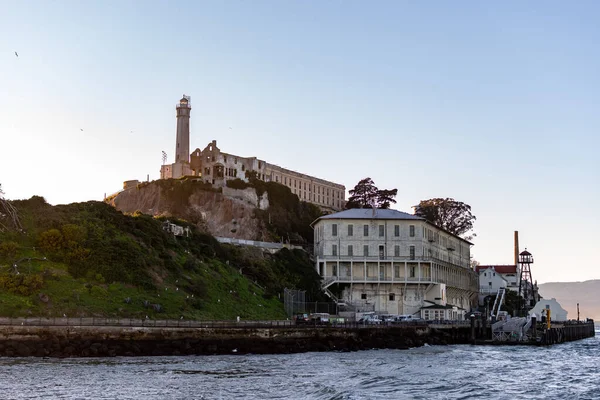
x=101, y=263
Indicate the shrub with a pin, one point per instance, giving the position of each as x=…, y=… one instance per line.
x=51, y=240
x=8, y=250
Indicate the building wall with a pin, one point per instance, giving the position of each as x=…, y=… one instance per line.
x=557, y=313
x=394, y=266
x=490, y=281
x=217, y=167
x=389, y=239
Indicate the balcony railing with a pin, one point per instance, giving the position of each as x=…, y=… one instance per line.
x=369, y=279
x=358, y=259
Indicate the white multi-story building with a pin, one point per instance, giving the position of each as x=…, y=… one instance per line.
x=392, y=262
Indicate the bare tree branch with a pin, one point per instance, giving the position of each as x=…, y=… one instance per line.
x=9, y=216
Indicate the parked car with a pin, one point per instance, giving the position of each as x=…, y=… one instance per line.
x=388, y=317
x=301, y=319
x=370, y=320
x=319, y=318
x=408, y=318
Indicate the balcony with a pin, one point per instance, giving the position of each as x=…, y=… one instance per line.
x=454, y=261
x=329, y=280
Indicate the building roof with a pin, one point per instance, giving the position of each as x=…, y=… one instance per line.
x=370, y=213
x=501, y=269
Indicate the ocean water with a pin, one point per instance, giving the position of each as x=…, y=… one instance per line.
x=566, y=371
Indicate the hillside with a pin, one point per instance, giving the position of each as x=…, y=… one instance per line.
x=266, y=211
x=568, y=294
x=88, y=259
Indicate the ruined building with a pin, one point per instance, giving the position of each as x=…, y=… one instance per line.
x=216, y=167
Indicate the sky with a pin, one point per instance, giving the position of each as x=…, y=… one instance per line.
x=492, y=104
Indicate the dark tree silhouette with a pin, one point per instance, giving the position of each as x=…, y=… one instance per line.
x=449, y=214
x=365, y=194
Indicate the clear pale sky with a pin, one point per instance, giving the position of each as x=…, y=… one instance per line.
x=496, y=105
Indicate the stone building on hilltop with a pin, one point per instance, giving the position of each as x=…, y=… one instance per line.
x=216, y=167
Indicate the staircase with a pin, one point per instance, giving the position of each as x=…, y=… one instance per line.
x=514, y=330
x=328, y=282
x=498, y=302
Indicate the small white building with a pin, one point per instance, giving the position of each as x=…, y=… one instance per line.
x=392, y=262
x=557, y=313
x=494, y=277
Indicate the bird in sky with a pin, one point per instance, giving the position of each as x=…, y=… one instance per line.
x=230, y=128
x=81, y=129
x=16, y=54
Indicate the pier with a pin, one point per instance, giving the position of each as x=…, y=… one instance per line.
x=89, y=337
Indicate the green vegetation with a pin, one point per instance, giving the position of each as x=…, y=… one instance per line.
x=87, y=259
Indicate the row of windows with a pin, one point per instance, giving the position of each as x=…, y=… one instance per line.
x=312, y=189
x=411, y=230
x=411, y=251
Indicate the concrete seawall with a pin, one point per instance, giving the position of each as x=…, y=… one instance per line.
x=92, y=341
x=257, y=338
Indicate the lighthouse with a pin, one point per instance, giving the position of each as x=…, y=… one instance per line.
x=182, y=147
x=181, y=166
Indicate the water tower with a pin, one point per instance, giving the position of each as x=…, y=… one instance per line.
x=527, y=290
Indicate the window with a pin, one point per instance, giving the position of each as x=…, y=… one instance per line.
x=490, y=283
x=412, y=272
x=366, y=230
x=397, y=251
x=412, y=231
x=396, y=230
x=363, y=296
x=285, y=180
x=350, y=230
x=366, y=250
x=392, y=297
x=334, y=249
x=412, y=252
x=350, y=250
x=334, y=230
x=382, y=252
x=381, y=230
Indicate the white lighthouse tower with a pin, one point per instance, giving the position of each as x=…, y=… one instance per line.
x=181, y=166
x=182, y=149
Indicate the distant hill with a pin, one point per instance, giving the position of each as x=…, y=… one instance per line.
x=568, y=294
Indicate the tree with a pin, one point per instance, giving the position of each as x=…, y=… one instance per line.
x=386, y=197
x=365, y=194
x=449, y=214
x=9, y=216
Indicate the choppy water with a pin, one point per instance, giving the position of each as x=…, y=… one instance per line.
x=568, y=371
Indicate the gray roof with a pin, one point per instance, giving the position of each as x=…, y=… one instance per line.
x=370, y=213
